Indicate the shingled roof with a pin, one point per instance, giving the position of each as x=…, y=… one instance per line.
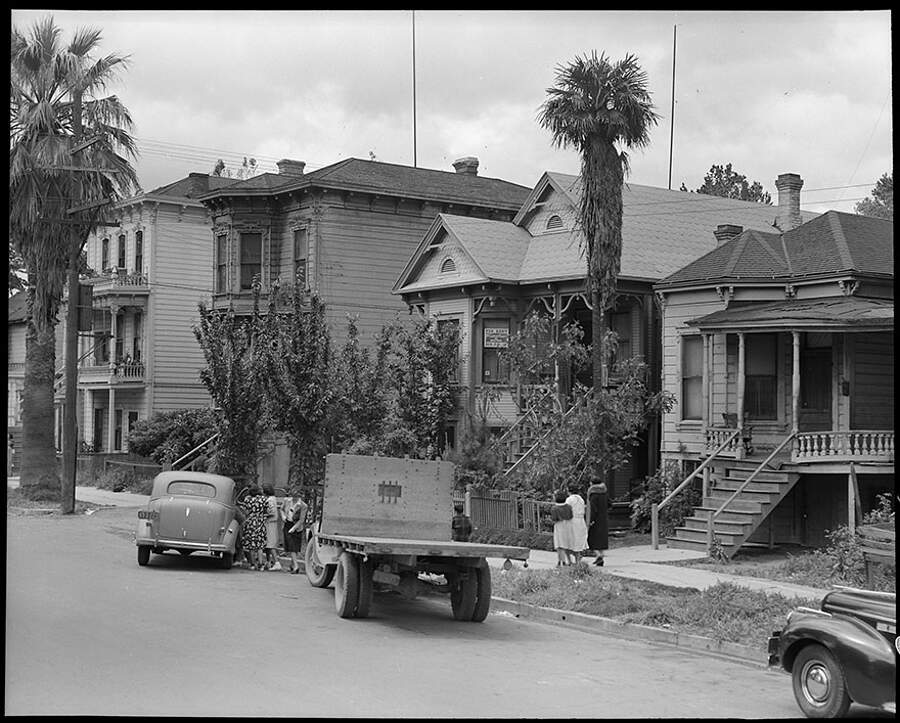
x=186, y=187
x=833, y=243
x=355, y=174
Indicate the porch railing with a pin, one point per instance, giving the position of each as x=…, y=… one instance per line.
x=655, y=508
x=856, y=445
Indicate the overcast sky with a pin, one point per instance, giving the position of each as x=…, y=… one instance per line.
x=769, y=92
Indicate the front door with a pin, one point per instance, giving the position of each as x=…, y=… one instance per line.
x=99, y=416
x=815, y=383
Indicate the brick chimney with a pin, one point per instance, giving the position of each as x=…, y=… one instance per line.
x=198, y=184
x=289, y=167
x=725, y=232
x=789, y=185
x=467, y=165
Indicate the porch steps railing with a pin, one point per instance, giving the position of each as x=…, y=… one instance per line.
x=737, y=507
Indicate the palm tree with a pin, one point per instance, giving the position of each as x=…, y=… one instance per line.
x=54, y=91
x=594, y=106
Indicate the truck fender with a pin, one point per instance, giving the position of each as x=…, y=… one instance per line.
x=328, y=554
x=867, y=659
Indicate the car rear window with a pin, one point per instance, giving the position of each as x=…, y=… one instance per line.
x=198, y=489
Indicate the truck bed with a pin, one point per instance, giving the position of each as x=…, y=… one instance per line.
x=431, y=548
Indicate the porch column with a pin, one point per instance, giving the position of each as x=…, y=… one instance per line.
x=795, y=385
x=111, y=430
x=740, y=380
x=707, y=368
x=113, y=333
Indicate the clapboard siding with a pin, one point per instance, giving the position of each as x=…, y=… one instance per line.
x=872, y=406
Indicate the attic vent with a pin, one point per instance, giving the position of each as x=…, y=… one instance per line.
x=448, y=265
x=554, y=222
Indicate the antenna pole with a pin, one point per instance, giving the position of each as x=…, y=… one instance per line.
x=672, y=117
x=414, y=84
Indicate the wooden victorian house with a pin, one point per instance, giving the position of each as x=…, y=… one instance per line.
x=345, y=231
x=780, y=353
x=487, y=276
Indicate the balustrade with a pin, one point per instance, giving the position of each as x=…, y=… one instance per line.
x=860, y=445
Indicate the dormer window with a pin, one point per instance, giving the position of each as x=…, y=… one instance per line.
x=448, y=265
x=554, y=223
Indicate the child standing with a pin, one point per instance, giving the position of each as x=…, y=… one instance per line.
x=461, y=525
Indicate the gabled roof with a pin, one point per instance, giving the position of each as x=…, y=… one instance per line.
x=833, y=243
x=496, y=250
x=355, y=174
x=15, y=307
x=662, y=230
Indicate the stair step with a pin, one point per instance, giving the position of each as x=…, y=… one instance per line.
x=726, y=515
x=678, y=543
x=725, y=537
x=738, y=503
x=732, y=484
x=723, y=493
x=736, y=527
x=762, y=476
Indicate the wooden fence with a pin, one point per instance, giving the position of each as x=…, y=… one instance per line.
x=504, y=510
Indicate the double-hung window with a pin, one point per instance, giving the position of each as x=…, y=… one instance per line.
x=251, y=259
x=104, y=254
x=121, y=263
x=221, y=263
x=139, y=252
x=495, y=341
x=761, y=376
x=691, y=377
x=301, y=253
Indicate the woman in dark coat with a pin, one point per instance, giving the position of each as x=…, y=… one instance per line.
x=598, y=519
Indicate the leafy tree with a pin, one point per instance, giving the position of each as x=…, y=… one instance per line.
x=598, y=433
x=725, y=182
x=237, y=362
x=595, y=107
x=298, y=381
x=17, y=274
x=881, y=204
x=52, y=86
x=167, y=436
x=477, y=459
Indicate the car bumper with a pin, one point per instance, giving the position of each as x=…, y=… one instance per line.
x=184, y=544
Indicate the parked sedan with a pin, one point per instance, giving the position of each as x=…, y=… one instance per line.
x=846, y=651
x=189, y=512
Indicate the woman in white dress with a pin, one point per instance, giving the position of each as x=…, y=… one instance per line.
x=579, y=541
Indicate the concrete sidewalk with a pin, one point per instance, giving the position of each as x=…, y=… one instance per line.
x=640, y=562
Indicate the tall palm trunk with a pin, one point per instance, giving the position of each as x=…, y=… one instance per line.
x=601, y=217
x=38, y=465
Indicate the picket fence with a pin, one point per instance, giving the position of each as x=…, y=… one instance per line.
x=504, y=510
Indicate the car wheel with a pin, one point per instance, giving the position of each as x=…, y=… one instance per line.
x=318, y=574
x=226, y=561
x=483, y=592
x=185, y=553
x=463, y=594
x=819, y=684
x=346, y=585
x=143, y=554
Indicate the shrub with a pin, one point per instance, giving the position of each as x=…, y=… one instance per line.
x=124, y=480
x=517, y=538
x=654, y=489
x=167, y=436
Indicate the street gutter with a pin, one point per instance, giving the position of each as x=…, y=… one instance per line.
x=591, y=623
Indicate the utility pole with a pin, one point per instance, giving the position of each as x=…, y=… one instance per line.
x=70, y=416
x=80, y=230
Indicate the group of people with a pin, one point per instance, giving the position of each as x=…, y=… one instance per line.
x=260, y=517
x=580, y=527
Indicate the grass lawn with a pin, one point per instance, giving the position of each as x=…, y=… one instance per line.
x=722, y=612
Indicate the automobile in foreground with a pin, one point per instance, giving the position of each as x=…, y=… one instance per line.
x=844, y=652
x=189, y=512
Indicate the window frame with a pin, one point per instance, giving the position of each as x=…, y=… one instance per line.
x=139, y=252
x=104, y=254
x=121, y=262
x=758, y=412
x=221, y=251
x=249, y=265
x=491, y=356
x=693, y=379
x=302, y=231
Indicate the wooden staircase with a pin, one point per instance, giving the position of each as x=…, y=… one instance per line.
x=743, y=515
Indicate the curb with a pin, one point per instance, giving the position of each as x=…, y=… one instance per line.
x=594, y=624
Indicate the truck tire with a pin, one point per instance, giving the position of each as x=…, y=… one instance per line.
x=483, y=592
x=318, y=574
x=346, y=585
x=463, y=593
x=365, y=590
x=819, y=684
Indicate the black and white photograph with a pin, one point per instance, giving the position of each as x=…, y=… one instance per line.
x=453, y=363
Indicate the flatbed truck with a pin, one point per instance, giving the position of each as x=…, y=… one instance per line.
x=385, y=525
